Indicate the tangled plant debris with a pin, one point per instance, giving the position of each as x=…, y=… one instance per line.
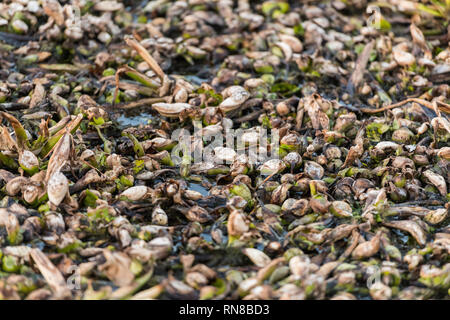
x=103, y=105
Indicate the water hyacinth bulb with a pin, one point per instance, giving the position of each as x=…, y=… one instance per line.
x=293, y=159
x=236, y=224
x=58, y=187
x=258, y=257
x=171, y=110
x=402, y=135
x=290, y=142
x=135, y=193
x=243, y=191
x=272, y=166
x=159, y=216
x=234, y=97
x=29, y=162
x=341, y=209
x=314, y=170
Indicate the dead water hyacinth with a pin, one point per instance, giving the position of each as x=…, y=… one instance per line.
x=106, y=105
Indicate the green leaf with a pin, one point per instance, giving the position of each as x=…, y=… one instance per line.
x=429, y=10
x=284, y=88
x=98, y=121
x=21, y=135
x=270, y=7
x=90, y=199
x=8, y=162
x=374, y=130
x=137, y=147
x=385, y=25
x=299, y=30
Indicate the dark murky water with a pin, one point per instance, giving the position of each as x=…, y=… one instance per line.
x=196, y=186
x=129, y=120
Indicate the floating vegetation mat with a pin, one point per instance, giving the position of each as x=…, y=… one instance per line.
x=224, y=149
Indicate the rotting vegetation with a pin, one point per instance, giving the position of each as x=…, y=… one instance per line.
x=92, y=206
